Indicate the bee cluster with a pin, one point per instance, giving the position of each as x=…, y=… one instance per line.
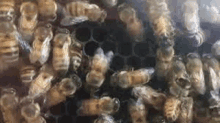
x=74, y=67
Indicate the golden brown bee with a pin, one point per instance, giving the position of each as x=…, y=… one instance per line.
x=80, y=11
x=59, y=92
x=42, y=83
x=194, y=68
x=186, y=113
x=99, y=67
x=150, y=96
x=104, y=118
x=27, y=74
x=31, y=113
x=41, y=44
x=110, y=3
x=172, y=108
x=28, y=20
x=126, y=79
x=165, y=54
x=61, y=57
x=104, y=105
x=9, y=106
x=138, y=112
x=7, y=10
x=47, y=9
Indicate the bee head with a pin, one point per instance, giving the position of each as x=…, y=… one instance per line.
x=11, y=91
x=123, y=79
x=116, y=103
x=165, y=42
x=76, y=79
x=28, y=9
x=8, y=101
x=114, y=79
x=137, y=91
x=193, y=55
x=95, y=78
x=31, y=111
x=67, y=86
x=184, y=82
x=26, y=100
x=207, y=56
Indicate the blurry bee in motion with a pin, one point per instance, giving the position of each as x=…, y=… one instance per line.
x=104, y=118
x=135, y=27
x=9, y=103
x=59, y=92
x=110, y=3
x=41, y=44
x=137, y=111
x=47, y=9
x=31, y=113
x=28, y=20
x=126, y=79
x=186, y=114
x=172, y=108
x=161, y=21
x=99, y=66
x=216, y=49
x=104, y=105
x=80, y=11
x=150, y=96
x=61, y=57
x=191, y=23
x=194, y=68
x=42, y=83
x=7, y=10
x=27, y=74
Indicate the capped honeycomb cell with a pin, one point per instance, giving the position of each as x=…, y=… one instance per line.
x=90, y=48
x=134, y=61
x=83, y=34
x=58, y=109
x=66, y=119
x=117, y=63
x=108, y=46
x=149, y=62
x=141, y=49
x=125, y=48
x=99, y=34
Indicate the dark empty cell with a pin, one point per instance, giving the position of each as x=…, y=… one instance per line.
x=99, y=34
x=58, y=109
x=149, y=62
x=206, y=48
x=125, y=49
x=108, y=46
x=117, y=63
x=134, y=62
x=141, y=49
x=66, y=119
x=83, y=34
x=51, y=120
x=90, y=48
x=71, y=107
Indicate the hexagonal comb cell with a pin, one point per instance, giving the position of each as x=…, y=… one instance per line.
x=58, y=109
x=125, y=48
x=99, y=34
x=134, y=61
x=117, y=63
x=83, y=34
x=108, y=46
x=90, y=48
x=141, y=49
x=149, y=62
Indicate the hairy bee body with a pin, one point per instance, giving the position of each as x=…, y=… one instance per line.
x=172, y=108
x=104, y=105
x=75, y=55
x=7, y=10
x=27, y=74
x=47, y=9
x=186, y=114
x=105, y=119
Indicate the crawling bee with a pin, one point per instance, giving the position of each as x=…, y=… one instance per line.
x=61, y=57
x=104, y=118
x=47, y=9
x=110, y=3
x=150, y=96
x=42, y=82
x=128, y=15
x=104, y=105
x=27, y=74
x=41, y=44
x=194, y=68
x=7, y=10
x=126, y=79
x=84, y=12
x=99, y=67
x=28, y=20
x=172, y=108
x=137, y=111
x=31, y=113
x=59, y=92
x=161, y=21
x=216, y=49
x=186, y=114
x=191, y=23
x=9, y=106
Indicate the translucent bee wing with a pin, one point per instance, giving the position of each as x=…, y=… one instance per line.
x=213, y=79
x=68, y=20
x=109, y=55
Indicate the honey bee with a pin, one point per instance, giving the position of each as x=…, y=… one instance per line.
x=61, y=57
x=59, y=92
x=110, y=3
x=99, y=67
x=138, y=111
x=165, y=54
x=47, y=9
x=126, y=79
x=31, y=113
x=7, y=10
x=172, y=108
x=194, y=68
x=150, y=96
x=42, y=83
x=28, y=20
x=80, y=11
x=41, y=44
x=191, y=23
x=216, y=49
x=186, y=114
x=27, y=74
x=9, y=106
x=104, y=118
x=104, y=105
